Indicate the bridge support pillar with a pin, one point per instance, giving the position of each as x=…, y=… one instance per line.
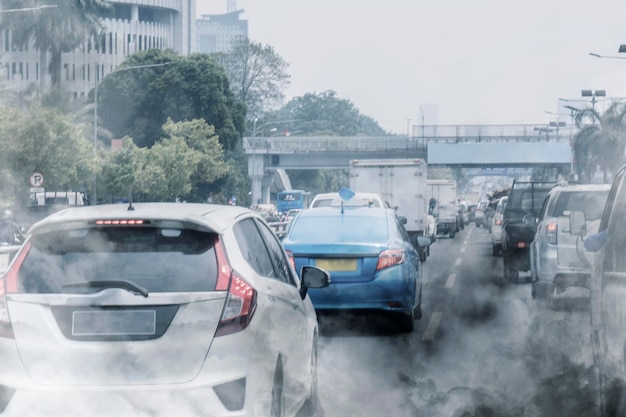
x=266, y=184
x=256, y=171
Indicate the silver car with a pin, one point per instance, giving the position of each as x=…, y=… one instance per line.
x=496, y=227
x=554, y=259
x=156, y=309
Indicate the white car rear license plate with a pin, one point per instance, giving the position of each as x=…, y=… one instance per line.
x=113, y=322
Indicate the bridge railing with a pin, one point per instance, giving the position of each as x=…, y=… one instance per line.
x=293, y=144
x=431, y=134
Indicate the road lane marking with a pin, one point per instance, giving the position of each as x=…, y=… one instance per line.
x=463, y=249
x=458, y=261
x=433, y=324
x=450, y=282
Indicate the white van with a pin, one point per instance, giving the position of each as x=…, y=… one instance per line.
x=57, y=198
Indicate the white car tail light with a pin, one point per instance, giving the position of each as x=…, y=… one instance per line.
x=9, y=284
x=240, y=302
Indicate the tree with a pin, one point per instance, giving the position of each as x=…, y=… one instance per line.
x=55, y=30
x=322, y=114
x=139, y=102
x=257, y=73
x=327, y=114
x=175, y=167
x=45, y=141
x=600, y=140
x=119, y=171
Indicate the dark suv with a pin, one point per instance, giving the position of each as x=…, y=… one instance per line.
x=519, y=224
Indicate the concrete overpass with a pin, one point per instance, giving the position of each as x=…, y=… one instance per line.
x=469, y=146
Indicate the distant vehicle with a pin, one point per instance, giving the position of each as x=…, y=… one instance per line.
x=520, y=224
x=292, y=199
x=179, y=302
x=373, y=263
x=479, y=214
x=291, y=214
x=333, y=199
x=401, y=183
x=464, y=212
x=554, y=261
x=57, y=198
x=496, y=227
x=442, y=205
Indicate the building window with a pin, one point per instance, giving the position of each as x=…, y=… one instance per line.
x=27, y=71
x=37, y=71
x=66, y=67
x=14, y=67
x=21, y=66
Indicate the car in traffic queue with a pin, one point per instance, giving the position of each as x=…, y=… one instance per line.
x=607, y=290
x=519, y=225
x=463, y=216
x=373, y=264
x=479, y=214
x=496, y=226
x=554, y=258
x=334, y=199
x=160, y=308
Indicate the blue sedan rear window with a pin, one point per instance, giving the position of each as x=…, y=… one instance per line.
x=339, y=229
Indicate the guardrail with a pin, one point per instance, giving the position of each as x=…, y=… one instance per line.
x=279, y=228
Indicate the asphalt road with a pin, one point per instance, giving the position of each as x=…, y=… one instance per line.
x=482, y=348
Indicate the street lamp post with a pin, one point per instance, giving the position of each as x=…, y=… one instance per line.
x=95, y=116
x=593, y=94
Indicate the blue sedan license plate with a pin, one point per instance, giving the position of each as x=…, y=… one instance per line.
x=336, y=264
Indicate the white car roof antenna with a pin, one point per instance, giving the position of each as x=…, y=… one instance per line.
x=130, y=199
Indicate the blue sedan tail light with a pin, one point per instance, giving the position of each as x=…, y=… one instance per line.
x=389, y=258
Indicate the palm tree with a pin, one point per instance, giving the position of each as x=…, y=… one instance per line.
x=54, y=30
x=600, y=140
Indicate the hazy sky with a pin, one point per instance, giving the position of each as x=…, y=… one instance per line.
x=474, y=61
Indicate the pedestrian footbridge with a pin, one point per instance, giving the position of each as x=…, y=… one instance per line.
x=469, y=146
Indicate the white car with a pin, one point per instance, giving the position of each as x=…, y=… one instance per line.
x=554, y=257
x=157, y=309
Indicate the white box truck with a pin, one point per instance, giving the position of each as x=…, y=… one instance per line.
x=442, y=203
x=400, y=182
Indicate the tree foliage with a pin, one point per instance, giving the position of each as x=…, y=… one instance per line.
x=45, y=141
x=175, y=168
x=600, y=141
x=324, y=114
x=54, y=30
x=321, y=114
x=138, y=102
x=258, y=74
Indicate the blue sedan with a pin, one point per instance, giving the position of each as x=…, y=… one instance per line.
x=373, y=263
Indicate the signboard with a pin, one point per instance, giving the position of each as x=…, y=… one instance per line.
x=36, y=180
